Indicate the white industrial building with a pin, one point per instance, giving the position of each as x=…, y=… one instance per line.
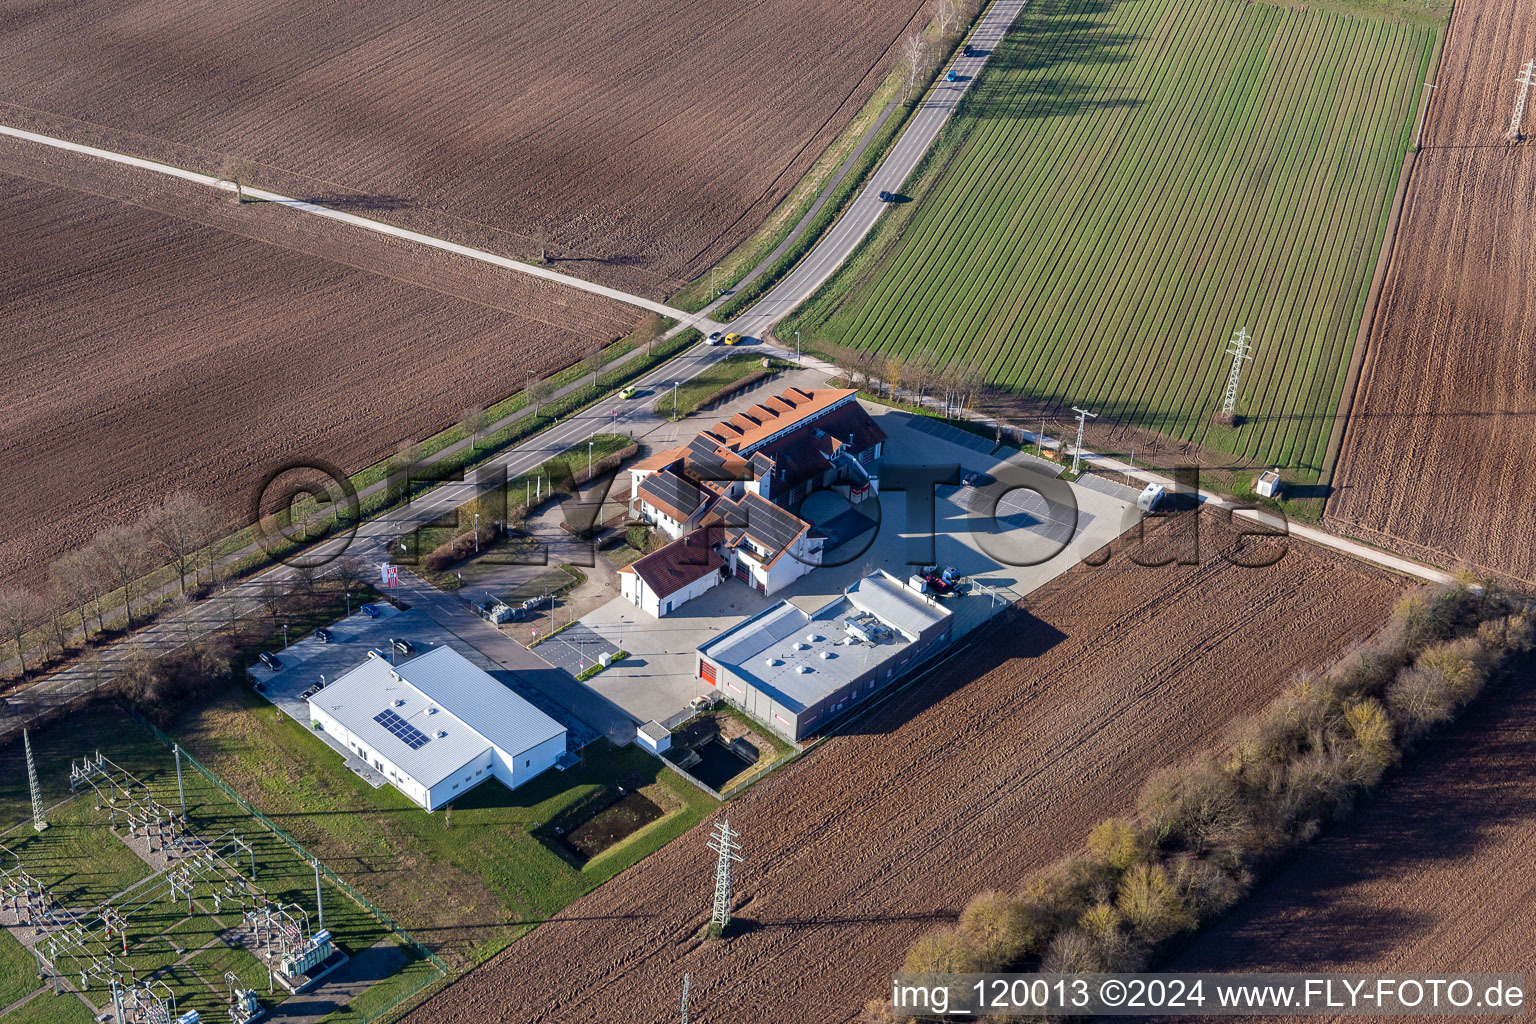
x=796, y=671
x=437, y=726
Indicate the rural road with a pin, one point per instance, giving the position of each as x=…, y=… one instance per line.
x=370, y=543
x=684, y=319
x=892, y=173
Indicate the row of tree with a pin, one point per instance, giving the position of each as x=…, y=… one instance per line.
x=960, y=387
x=179, y=532
x=925, y=47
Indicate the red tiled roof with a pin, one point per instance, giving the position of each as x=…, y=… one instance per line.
x=678, y=564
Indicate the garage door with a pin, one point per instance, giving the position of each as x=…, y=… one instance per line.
x=707, y=671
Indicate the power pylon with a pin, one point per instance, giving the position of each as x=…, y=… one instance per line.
x=1526, y=80
x=1238, y=352
x=1082, y=422
x=38, y=821
x=683, y=1006
x=723, y=841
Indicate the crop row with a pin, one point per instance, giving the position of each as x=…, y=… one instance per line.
x=1129, y=185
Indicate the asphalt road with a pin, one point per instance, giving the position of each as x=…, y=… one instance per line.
x=369, y=545
x=915, y=140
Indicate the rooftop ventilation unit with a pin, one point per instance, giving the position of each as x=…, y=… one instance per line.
x=399, y=703
x=802, y=647
x=827, y=655
x=772, y=662
x=813, y=638
x=431, y=711
x=803, y=669
x=441, y=733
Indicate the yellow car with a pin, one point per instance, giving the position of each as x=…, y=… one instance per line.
x=732, y=338
x=628, y=393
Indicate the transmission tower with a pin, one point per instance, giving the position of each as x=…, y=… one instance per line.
x=1526, y=80
x=723, y=842
x=38, y=821
x=1238, y=352
x=683, y=1006
x=1082, y=422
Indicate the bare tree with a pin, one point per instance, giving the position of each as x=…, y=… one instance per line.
x=20, y=610
x=60, y=607
x=895, y=371
x=124, y=551
x=272, y=600
x=593, y=363
x=79, y=574
x=240, y=173
x=539, y=392
x=348, y=572
x=180, y=526
x=475, y=420
x=307, y=577
x=946, y=14
x=914, y=56
x=649, y=329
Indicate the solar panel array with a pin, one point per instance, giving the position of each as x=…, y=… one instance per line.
x=402, y=730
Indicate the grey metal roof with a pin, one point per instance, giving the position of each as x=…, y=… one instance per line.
x=896, y=604
x=780, y=650
x=438, y=692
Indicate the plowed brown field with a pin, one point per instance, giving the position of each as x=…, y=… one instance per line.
x=1440, y=453
x=147, y=351
x=647, y=137
x=1434, y=874
x=994, y=764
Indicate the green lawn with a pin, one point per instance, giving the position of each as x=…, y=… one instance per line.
x=47, y=1008
x=465, y=884
x=18, y=970
x=1131, y=182
x=713, y=379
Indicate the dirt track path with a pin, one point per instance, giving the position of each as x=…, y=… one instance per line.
x=955, y=787
x=367, y=224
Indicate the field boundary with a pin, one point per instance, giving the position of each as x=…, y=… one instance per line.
x=1384, y=263
x=365, y=223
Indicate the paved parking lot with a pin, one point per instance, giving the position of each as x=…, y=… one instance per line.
x=575, y=649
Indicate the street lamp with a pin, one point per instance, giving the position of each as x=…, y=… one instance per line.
x=285, y=636
x=589, y=459
x=797, y=347
x=674, y=399
x=477, y=533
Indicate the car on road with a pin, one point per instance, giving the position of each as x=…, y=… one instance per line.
x=323, y=635
x=714, y=339
x=369, y=610
x=732, y=338
x=970, y=51
x=628, y=393
x=403, y=646
x=951, y=77
x=271, y=660
x=885, y=196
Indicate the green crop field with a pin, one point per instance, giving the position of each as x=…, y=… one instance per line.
x=1130, y=183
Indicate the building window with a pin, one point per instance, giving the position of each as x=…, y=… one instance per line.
x=455, y=785
x=528, y=764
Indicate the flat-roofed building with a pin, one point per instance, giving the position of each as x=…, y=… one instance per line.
x=797, y=671
x=437, y=726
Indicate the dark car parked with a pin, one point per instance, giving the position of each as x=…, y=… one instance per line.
x=271, y=661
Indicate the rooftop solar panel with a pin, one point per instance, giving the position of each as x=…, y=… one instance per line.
x=404, y=731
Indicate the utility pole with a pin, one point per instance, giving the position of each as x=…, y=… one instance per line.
x=1238, y=352
x=674, y=399
x=38, y=821
x=1418, y=138
x=1082, y=421
x=797, y=348
x=1526, y=80
x=180, y=790
x=723, y=841
x=319, y=899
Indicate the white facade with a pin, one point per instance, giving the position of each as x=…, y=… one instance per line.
x=437, y=726
x=637, y=593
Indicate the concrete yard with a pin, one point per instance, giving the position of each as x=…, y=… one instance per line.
x=658, y=679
